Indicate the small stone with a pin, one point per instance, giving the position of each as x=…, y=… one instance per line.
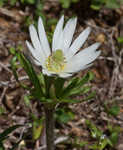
x=120, y=147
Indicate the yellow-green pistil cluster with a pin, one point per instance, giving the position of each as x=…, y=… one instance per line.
x=56, y=62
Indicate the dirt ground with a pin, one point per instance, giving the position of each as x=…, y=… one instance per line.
x=107, y=26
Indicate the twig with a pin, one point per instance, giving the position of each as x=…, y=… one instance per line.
x=107, y=58
x=3, y=94
x=8, y=83
x=106, y=31
x=11, y=14
x=114, y=121
x=5, y=67
x=57, y=141
x=115, y=58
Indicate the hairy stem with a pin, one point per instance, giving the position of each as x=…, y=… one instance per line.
x=49, y=114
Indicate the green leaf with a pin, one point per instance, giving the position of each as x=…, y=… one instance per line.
x=25, y=86
x=30, y=1
x=13, y=2
x=88, y=77
x=72, y=84
x=113, y=4
x=52, y=93
x=75, y=1
x=42, y=81
x=74, y=87
x=120, y=39
x=68, y=100
x=114, y=110
x=14, y=67
x=109, y=142
x=27, y=100
x=65, y=3
x=36, y=94
x=97, y=4
x=47, y=100
x=95, y=132
x=113, y=129
x=2, y=146
x=79, y=91
x=52, y=21
x=121, y=2
x=103, y=143
x=12, y=50
x=37, y=127
x=96, y=7
x=80, y=144
x=94, y=147
x=37, y=130
x=1, y=3
x=26, y=64
x=48, y=82
x=114, y=138
x=64, y=116
x=59, y=84
x=92, y=95
x=2, y=110
x=114, y=133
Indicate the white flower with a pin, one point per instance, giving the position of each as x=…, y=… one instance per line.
x=63, y=60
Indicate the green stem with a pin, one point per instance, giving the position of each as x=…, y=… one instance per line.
x=49, y=114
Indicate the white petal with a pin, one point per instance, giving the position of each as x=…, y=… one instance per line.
x=34, y=38
x=65, y=75
x=37, y=56
x=62, y=75
x=68, y=33
x=36, y=62
x=80, y=68
x=60, y=44
x=57, y=37
x=83, y=58
x=77, y=44
x=88, y=50
x=44, y=71
x=43, y=38
x=80, y=65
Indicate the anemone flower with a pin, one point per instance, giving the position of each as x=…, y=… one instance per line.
x=63, y=59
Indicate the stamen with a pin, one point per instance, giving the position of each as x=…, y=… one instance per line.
x=56, y=62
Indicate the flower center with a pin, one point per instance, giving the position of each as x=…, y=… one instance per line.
x=56, y=62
